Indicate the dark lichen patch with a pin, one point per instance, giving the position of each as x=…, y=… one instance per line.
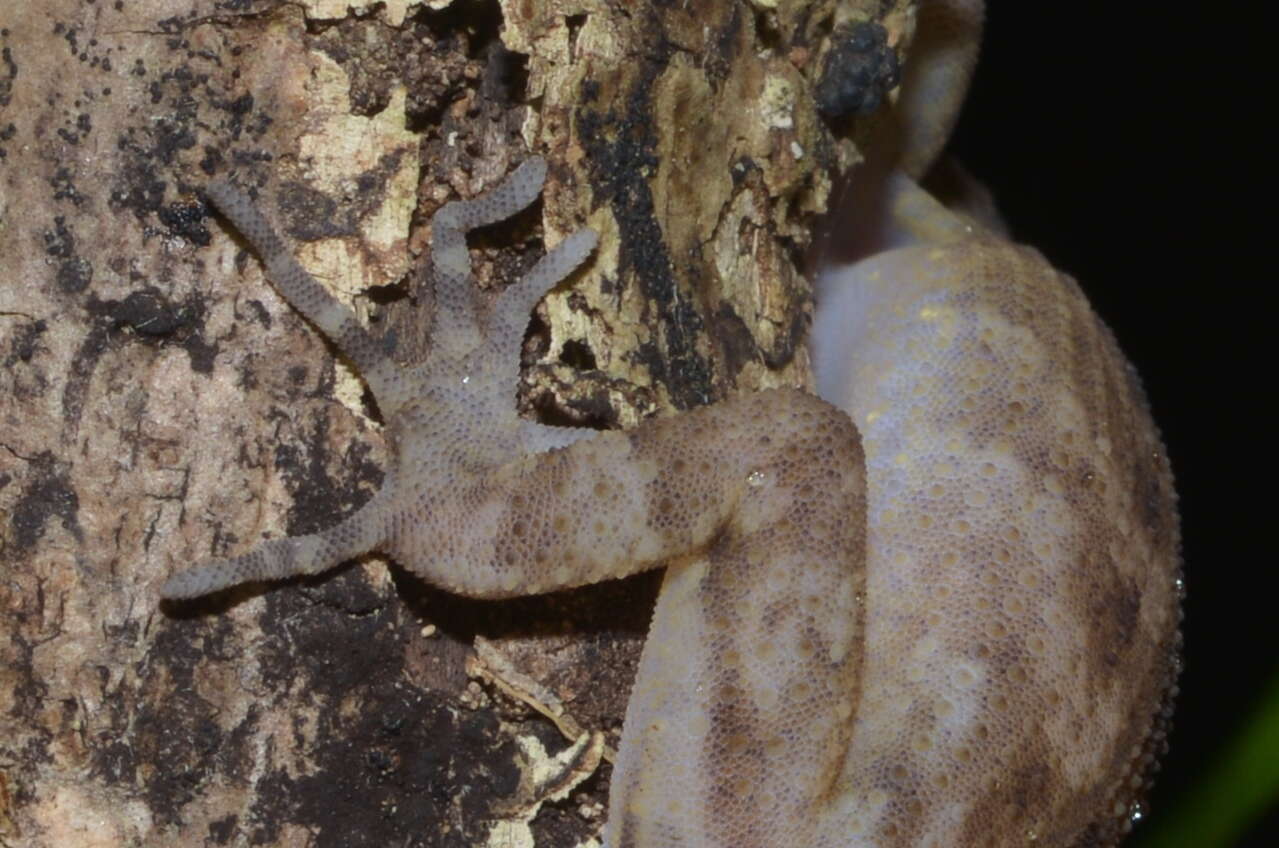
x=221, y=830
x=8, y=73
x=272, y=808
x=858, y=72
x=7, y=132
x=388, y=777
x=371, y=184
x=29, y=692
x=63, y=184
x=380, y=772
x=24, y=343
x=74, y=273
x=111, y=321
x=185, y=101
x=76, y=387
x=138, y=188
x=308, y=214
x=185, y=217
x=176, y=742
x=77, y=129
x=150, y=316
x=47, y=496
x=116, y=761
x=349, y=592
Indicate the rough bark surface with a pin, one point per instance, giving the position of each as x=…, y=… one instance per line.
x=160, y=403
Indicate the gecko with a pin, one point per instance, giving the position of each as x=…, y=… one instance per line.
x=936, y=603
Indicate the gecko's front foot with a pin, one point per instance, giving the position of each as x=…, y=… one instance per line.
x=446, y=417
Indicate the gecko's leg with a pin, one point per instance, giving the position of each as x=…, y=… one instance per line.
x=489, y=340
x=508, y=322
x=757, y=505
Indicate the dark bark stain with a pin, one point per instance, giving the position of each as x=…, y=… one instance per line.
x=147, y=315
x=735, y=340
x=307, y=214
x=176, y=737
x=47, y=496
x=7, y=132
x=403, y=762
x=722, y=46
x=30, y=693
x=152, y=315
x=621, y=145
x=318, y=499
x=151, y=149
x=74, y=273
x=25, y=342
x=8, y=74
x=221, y=830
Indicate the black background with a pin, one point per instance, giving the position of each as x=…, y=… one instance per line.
x=1124, y=141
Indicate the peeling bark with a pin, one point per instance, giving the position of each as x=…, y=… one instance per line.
x=161, y=403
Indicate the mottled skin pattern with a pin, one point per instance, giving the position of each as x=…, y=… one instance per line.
x=1022, y=548
x=944, y=613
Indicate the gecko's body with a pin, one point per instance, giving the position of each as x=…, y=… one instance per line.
x=945, y=615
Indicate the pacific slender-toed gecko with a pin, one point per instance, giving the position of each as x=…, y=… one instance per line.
x=942, y=611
